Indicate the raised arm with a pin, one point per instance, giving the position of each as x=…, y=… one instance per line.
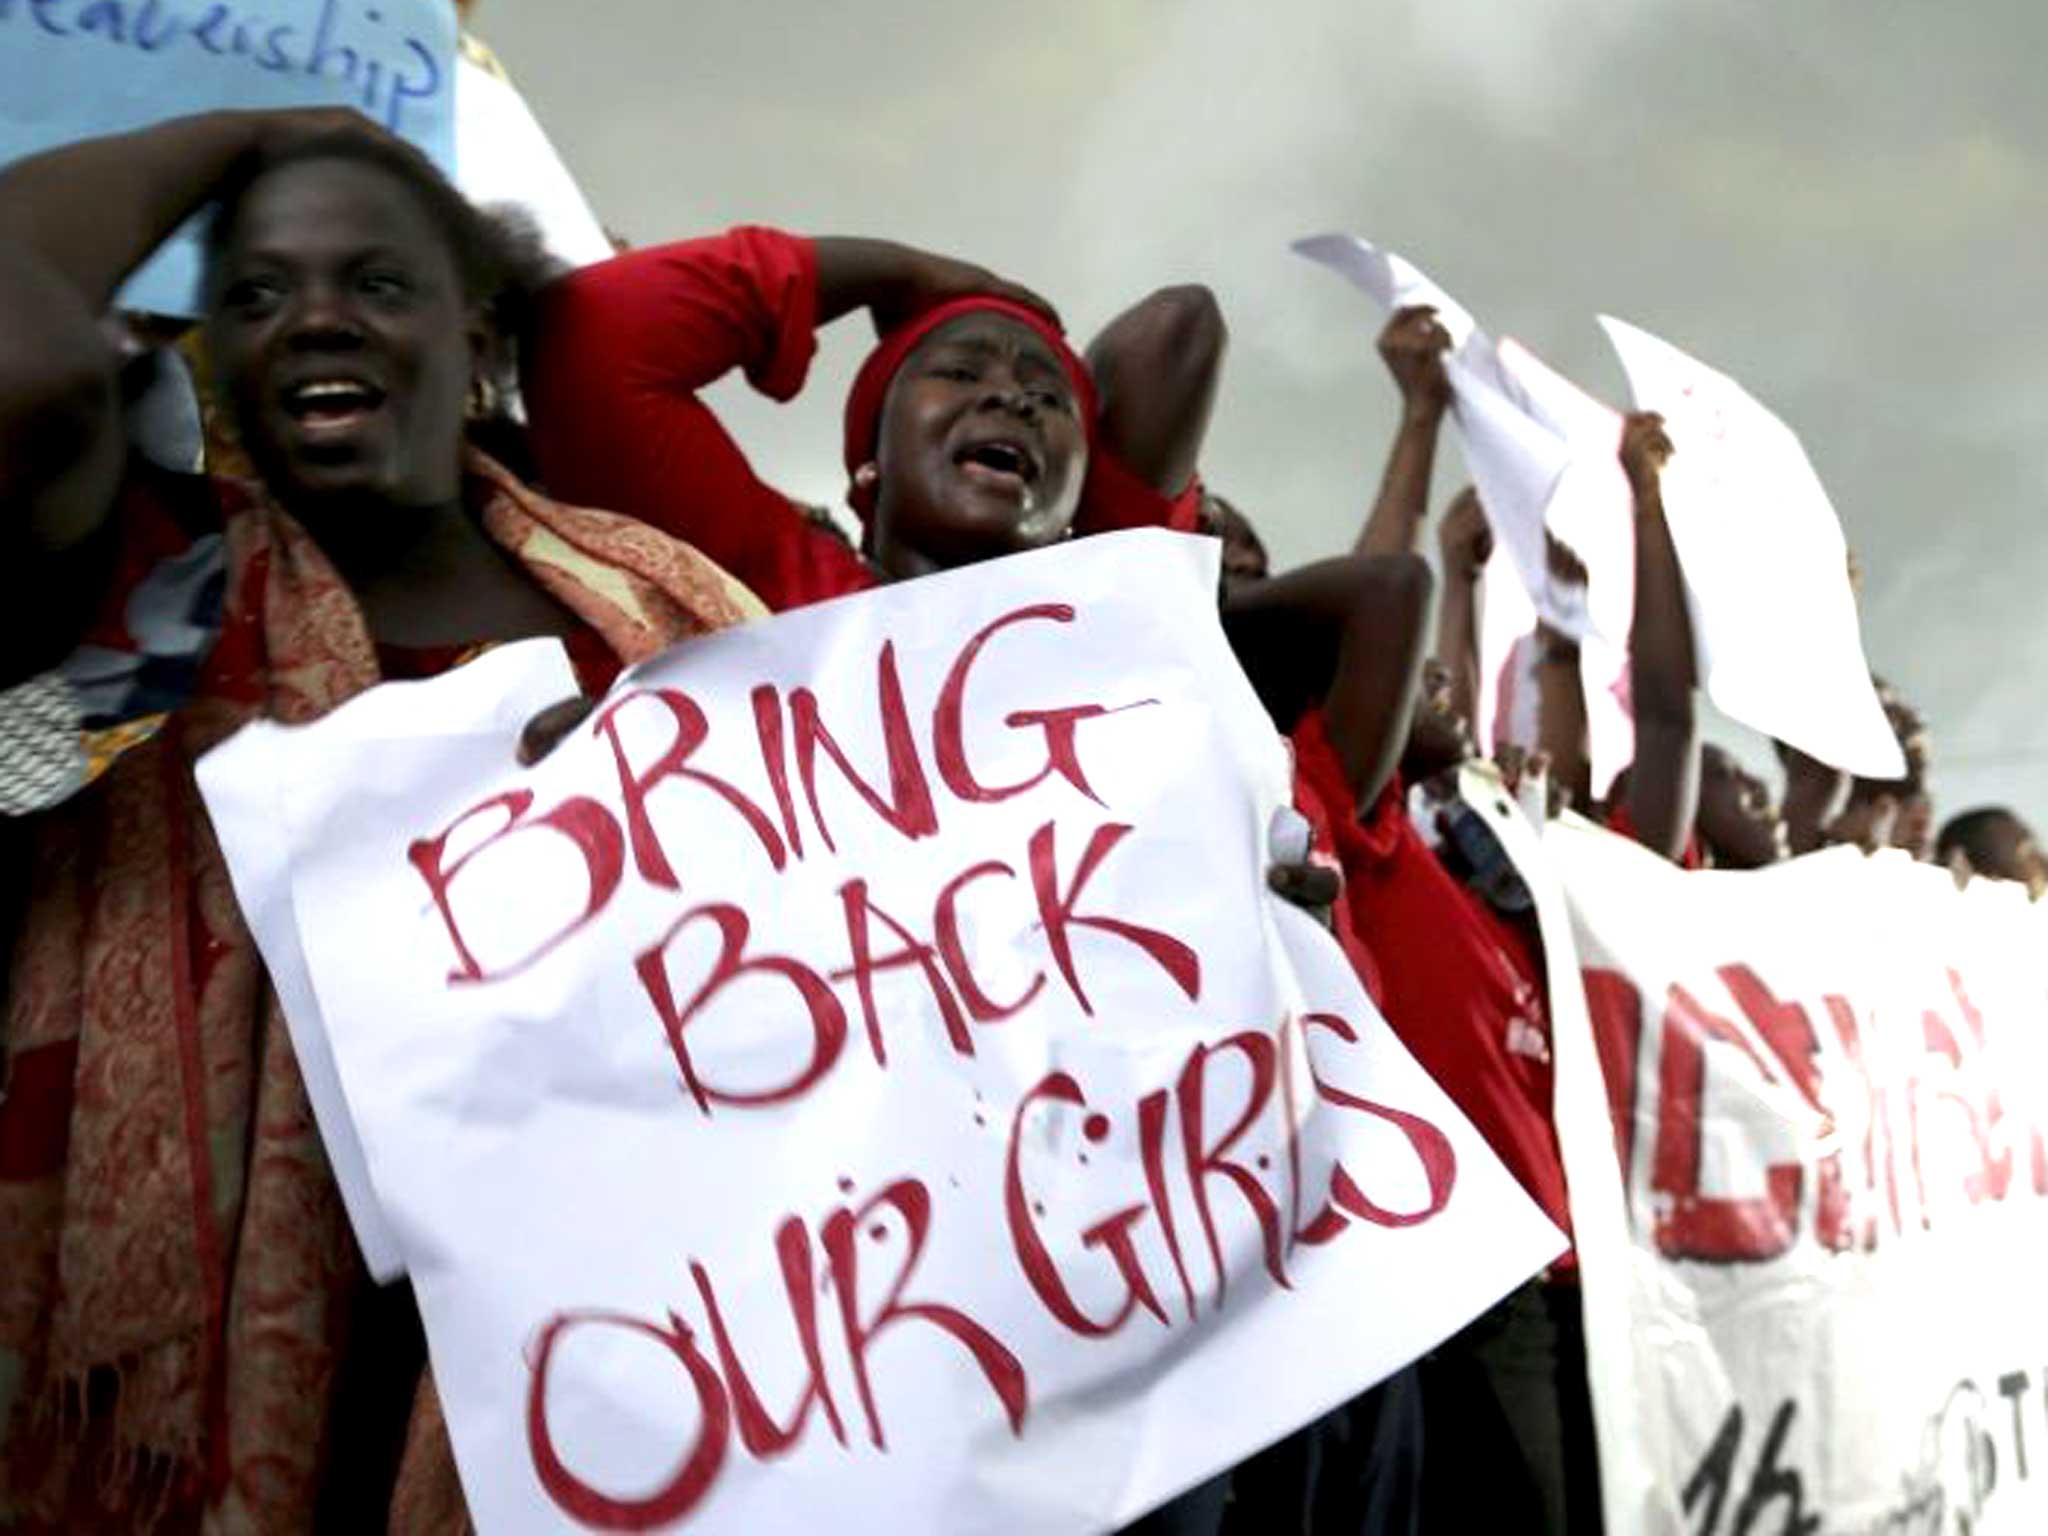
x=1561, y=728
x=1156, y=367
x=620, y=350
x=74, y=222
x=1348, y=635
x=1663, y=784
x=1412, y=346
x=1464, y=544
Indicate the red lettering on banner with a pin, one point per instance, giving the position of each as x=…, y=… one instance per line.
x=859, y=909
x=1616, y=1010
x=1056, y=911
x=822, y=1010
x=1697, y=1226
x=589, y=829
x=759, y=1433
x=724, y=1393
x=1203, y=1159
x=1789, y=1035
x=1849, y=1035
x=1153, y=1110
x=1206, y=1160
x=1975, y=1095
x=1431, y=1146
x=693, y=1477
x=1058, y=726
x=1111, y=1234
x=689, y=729
x=767, y=702
x=909, y=808
x=946, y=934
x=913, y=1203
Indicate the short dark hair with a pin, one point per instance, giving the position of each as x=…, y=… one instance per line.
x=1972, y=831
x=498, y=253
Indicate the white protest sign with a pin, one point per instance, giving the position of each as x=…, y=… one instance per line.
x=259, y=865
x=75, y=69
x=1813, y=1292
x=862, y=1070
x=1766, y=570
x=1515, y=458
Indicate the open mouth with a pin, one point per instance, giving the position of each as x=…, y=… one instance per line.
x=331, y=404
x=999, y=461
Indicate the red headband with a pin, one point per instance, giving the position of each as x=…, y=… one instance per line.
x=871, y=385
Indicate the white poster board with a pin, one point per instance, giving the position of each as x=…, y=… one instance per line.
x=861, y=1074
x=1775, y=631
x=1811, y=1222
x=1516, y=457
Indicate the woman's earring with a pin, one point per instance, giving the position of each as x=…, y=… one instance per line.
x=868, y=476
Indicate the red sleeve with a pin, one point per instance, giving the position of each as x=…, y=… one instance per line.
x=610, y=379
x=1116, y=497
x=1619, y=820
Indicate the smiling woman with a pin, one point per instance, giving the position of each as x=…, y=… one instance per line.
x=179, y=1269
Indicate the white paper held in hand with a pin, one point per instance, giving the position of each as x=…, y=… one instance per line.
x=1392, y=281
x=1766, y=569
x=863, y=1071
x=1516, y=459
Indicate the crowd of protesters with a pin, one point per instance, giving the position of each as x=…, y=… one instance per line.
x=419, y=441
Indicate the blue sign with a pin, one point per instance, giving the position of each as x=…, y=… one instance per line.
x=75, y=69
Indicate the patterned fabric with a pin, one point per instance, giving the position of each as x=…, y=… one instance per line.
x=178, y=1264
x=138, y=662
x=42, y=756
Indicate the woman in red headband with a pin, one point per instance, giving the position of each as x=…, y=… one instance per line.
x=973, y=430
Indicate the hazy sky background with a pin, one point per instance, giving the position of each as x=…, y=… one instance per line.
x=1843, y=204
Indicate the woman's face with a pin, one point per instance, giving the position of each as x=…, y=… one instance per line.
x=341, y=338
x=1736, y=818
x=982, y=450
x=1439, y=738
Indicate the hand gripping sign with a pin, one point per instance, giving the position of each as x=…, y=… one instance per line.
x=862, y=1069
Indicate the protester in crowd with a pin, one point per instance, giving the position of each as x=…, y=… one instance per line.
x=1894, y=813
x=1460, y=979
x=1244, y=552
x=1994, y=844
x=972, y=430
x=1816, y=793
x=1691, y=801
x=180, y=1273
x=1464, y=545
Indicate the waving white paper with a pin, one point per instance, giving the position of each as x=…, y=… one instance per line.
x=1392, y=281
x=1515, y=457
x=1766, y=569
x=861, y=1074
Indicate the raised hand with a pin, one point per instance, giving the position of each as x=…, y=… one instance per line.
x=1645, y=449
x=1465, y=539
x=1412, y=346
x=927, y=279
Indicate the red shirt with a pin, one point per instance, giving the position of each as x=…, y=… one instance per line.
x=1619, y=821
x=621, y=350
x=1460, y=984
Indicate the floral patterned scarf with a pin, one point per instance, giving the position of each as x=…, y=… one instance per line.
x=178, y=1266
